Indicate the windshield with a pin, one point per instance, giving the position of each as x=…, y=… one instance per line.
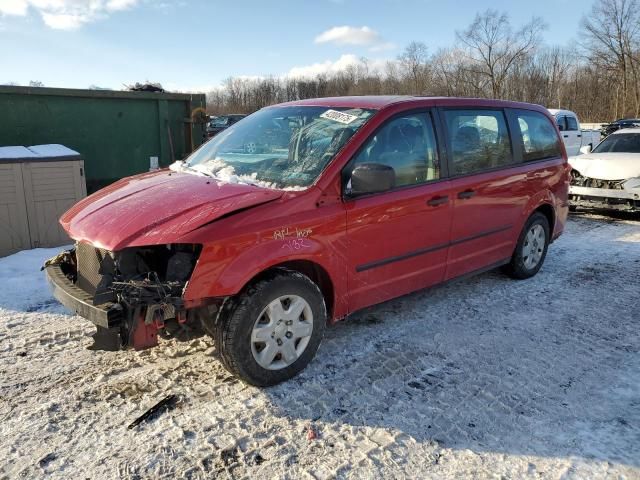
x=219, y=122
x=279, y=147
x=620, y=143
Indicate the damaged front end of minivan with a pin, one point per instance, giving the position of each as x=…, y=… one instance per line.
x=133, y=295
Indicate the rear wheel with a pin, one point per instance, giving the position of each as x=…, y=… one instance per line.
x=272, y=330
x=531, y=248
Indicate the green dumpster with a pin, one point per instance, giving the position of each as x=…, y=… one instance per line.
x=118, y=133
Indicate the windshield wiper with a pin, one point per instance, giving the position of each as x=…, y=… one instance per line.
x=185, y=166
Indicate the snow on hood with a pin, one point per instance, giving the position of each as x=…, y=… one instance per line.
x=156, y=208
x=607, y=166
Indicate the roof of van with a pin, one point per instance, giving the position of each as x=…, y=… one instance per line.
x=378, y=102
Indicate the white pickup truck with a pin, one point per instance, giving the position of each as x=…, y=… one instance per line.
x=573, y=136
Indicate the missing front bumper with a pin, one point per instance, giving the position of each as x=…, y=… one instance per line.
x=604, y=198
x=129, y=313
x=106, y=315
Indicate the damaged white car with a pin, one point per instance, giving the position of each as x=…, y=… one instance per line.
x=609, y=176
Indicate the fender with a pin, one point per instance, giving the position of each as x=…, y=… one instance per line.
x=238, y=248
x=545, y=197
x=555, y=195
x=230, y=277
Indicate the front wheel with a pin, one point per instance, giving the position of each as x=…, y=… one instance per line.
x=531, y=248
x=272, y=330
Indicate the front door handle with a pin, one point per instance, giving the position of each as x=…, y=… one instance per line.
x=566, y=136
x=438, y=200
x=466, y=194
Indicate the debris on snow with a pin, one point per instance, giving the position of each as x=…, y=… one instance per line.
x=312, y=434
x=163, y=405
x=47, y=459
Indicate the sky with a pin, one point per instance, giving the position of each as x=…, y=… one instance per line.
x=193, y=45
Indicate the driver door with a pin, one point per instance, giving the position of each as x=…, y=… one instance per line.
x=398, y=239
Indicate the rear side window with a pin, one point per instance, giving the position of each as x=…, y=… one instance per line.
x=539, y=138
x=408, y=145
x=572, y=124
x=478, y=140
x=562, y=123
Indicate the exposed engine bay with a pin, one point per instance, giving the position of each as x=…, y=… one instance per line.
x=143, y=286
x=598, y=193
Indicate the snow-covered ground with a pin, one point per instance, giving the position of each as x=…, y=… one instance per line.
x=482, y=378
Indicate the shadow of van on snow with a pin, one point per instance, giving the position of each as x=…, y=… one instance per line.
x=486, y=364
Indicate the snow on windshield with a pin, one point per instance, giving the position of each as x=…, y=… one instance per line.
x=283, y=148
x=227, y=174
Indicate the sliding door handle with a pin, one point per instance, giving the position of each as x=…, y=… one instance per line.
x=438, y=200
x=466, y=194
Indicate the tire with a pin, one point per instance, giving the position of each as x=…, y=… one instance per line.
x=573, y=208
x=524, y=262
x=253, y=316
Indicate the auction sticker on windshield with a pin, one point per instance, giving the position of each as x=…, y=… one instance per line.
x=339, y=116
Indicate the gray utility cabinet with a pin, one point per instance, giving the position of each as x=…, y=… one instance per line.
x=37, y=185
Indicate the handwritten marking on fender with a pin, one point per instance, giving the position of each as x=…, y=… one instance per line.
x=287, y=232
x=296, y=244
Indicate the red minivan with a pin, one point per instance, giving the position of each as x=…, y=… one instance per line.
x=338, y=204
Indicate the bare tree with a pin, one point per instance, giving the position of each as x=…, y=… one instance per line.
x=493, y=48
x=414, y=62
x=489, y=59
x=612, y=34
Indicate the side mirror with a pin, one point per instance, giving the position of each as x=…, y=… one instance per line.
x=586, y=149
x=372, y=178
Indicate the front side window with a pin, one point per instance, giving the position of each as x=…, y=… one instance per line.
x=408, y=145
x=539, y=138
x=620, y=143
x=562, y=123
x=278, y=147
x=478, y=140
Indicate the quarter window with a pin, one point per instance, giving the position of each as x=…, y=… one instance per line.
x=539, y=138
x=479, y=140
x=408, y=145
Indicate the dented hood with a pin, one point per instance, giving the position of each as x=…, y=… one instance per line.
x=156, y=208
x=607, y=166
